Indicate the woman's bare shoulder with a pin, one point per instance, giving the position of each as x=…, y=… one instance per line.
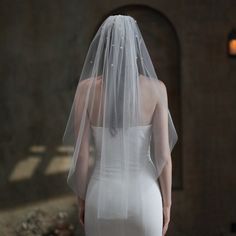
x=162, y=86
x=153, y=84
x=86, y=83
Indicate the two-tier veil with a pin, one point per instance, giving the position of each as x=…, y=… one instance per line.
x=109, y=97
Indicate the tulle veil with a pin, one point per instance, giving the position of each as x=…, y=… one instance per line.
x=109, y=91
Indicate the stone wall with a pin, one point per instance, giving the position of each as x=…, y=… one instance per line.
x=43, y=45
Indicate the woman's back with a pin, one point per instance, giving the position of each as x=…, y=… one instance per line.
x=142, y=216
x=143, y=196
x=148, y=100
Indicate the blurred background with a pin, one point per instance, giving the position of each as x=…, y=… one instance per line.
x=43, y=45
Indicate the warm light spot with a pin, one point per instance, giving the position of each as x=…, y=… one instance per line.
x=24, y=169
x=232, y=47
x=58, y=164
x=37, y=149
x=65, y=149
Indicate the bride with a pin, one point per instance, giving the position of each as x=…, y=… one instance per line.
x=120, y=112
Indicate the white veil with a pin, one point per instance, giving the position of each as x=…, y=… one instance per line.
x=109, y=97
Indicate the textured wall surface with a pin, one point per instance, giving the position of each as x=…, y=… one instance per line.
x=43, y=45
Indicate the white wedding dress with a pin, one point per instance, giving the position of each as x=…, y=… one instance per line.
x=149, y=223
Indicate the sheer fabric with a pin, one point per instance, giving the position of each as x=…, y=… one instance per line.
x=118, y=92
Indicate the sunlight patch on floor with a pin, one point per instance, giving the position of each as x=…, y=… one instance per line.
x=64, y=149
x=58, y=164
x=37, y=148
x=25, y=169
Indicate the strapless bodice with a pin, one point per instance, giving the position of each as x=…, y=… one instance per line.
x=131, y=145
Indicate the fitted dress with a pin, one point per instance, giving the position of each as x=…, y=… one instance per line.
x=146, y=214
